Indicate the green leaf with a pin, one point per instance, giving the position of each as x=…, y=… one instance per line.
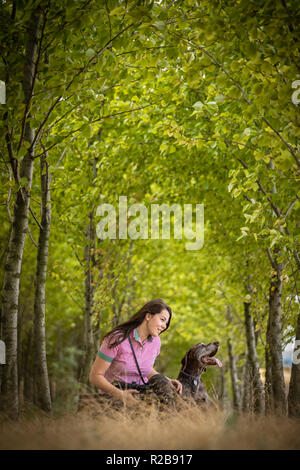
x=117, y=11
x=139, y=12
x=90, y=53
x=160, y=25
x=198, y=105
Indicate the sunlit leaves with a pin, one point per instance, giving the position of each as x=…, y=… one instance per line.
x=190, y=103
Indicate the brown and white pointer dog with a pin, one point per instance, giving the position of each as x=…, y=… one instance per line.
x=194, y=364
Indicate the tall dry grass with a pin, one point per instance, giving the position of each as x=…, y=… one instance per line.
x=148, y=428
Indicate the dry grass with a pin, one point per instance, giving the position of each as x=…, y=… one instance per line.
x=188, y=429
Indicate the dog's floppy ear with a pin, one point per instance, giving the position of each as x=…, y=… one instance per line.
x=184, y=360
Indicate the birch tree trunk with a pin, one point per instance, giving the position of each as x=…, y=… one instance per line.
x=41, y=381
x=19, y=349
x=258, y=395
x=274, y=340
x=234, y=377
x=294, y=390
x=269, y=398
x=13, y=264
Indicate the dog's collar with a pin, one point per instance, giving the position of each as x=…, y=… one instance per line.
x=194, y=377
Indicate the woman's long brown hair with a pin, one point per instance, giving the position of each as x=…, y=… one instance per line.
x=122, y=331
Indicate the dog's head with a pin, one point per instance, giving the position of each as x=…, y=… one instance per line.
x=200, y=356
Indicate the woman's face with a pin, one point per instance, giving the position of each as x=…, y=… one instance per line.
x=158, y=322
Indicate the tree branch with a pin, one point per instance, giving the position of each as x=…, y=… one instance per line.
x=266, y=121
x=82, y=69
x=274, y=266
x=29, y=93
x=93, y=121
x=291, y=206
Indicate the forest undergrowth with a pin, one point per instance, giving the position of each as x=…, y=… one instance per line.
x=148, y=428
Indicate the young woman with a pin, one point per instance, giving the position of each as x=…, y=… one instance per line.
x=115, y=361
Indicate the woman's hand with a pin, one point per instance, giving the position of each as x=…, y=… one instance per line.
x=128, y=398
x=176, y=384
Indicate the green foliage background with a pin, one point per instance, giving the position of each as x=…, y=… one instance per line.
x=172, y=102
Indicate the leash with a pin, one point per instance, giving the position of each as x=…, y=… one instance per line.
x=136, y=362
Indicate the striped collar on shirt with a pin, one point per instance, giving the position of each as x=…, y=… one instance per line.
x=137, y=338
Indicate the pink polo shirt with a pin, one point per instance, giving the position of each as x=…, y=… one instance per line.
x=122, y=364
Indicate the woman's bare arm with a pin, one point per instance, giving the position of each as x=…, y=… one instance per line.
x=153, y=372
x=97, y=378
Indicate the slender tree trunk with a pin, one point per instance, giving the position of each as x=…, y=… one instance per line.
x=41, y=380
x=12, y=269
x=258, y=395
x=89, y=302
x=19, y=350
x=247, y=386
x=274, y=340
x=294, y=390
x=27, y=365
x=221, y=388
x=52, y=389
x=97, y=336
x=269, y=398
x=89, y=256
x=234, y=377
x=59, y=345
